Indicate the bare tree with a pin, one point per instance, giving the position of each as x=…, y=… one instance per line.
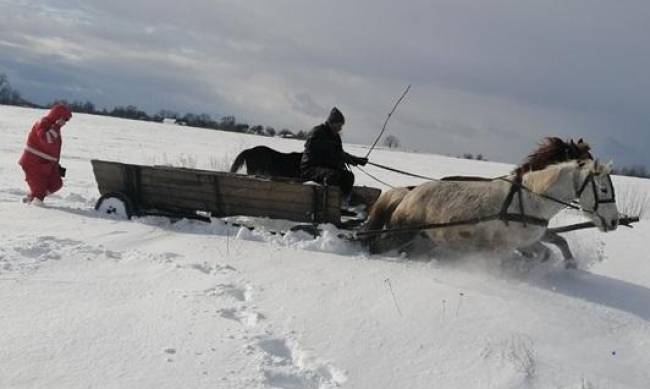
x=286, y=133
x=257, y=129
x=7, y=94
x=4, y=84
x=391, y=142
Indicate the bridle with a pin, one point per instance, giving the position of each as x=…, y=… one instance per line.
x=597, y=199
x=517, y=186
x=590, y=179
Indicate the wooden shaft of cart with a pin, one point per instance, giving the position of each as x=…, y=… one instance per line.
x=624, y=221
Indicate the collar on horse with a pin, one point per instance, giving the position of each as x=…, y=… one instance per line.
x=516, y=189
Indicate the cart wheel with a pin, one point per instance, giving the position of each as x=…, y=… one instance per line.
x=115, y=204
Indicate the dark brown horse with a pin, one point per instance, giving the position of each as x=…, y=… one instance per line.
x=264, y=161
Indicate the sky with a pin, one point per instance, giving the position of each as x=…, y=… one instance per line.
x=488, y=76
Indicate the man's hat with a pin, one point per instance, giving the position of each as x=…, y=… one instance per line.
x=335, y=116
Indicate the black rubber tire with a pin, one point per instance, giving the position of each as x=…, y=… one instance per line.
x=116, y=204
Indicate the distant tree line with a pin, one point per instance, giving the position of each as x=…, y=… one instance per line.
x=632, y=171
x=203, y=120
x=10, y=96
x=478, y=157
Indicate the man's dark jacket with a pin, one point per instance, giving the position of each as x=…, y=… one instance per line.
x=323, y=148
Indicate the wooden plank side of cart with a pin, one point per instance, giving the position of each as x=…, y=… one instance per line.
x=222, y=194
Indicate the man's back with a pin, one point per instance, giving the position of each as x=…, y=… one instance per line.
x=324, y=160
x=323, y=148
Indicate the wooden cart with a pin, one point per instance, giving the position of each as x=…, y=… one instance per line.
x=128, y=190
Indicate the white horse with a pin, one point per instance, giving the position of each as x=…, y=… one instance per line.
x=501, y=214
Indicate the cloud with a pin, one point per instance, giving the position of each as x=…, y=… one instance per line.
x=489, y=77
x=303, y=102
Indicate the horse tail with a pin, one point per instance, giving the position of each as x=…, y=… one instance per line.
x=381, y=216
x=382, y=210
x=239, y=161
x=377, y=216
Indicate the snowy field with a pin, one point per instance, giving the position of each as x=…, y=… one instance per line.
x=87, y=301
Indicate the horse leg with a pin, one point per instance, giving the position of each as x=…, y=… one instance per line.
x=382, y=244
x=563, y=245
x=537, y=249
x=417, y=246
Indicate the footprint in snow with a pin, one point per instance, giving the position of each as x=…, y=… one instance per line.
x=77, y=198
x=514, y=357
x=24, y=256
x=207, y=268
x=242, y=315
x=237, y=292
x=285, y=366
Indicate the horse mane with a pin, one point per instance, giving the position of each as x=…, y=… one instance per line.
x=541, y=180
x=552, y=150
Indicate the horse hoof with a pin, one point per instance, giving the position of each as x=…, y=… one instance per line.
x=570, y=264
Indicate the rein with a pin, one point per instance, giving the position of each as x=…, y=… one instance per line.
x=516, y=187
x=503, y=215
x=375, y=178
x=519, y=185
x=588, y=180
x=402, y=171
x=432, y=226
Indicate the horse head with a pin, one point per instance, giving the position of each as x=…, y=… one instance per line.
x=595, y=193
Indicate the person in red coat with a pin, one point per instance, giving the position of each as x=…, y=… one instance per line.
x=40, y=159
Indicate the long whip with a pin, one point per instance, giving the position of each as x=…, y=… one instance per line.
x=387, y=119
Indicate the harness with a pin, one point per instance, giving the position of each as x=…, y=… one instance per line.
x=516, y=188
x=597, y=200
x=590, y=179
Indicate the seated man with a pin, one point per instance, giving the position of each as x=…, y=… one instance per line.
x=324, y=160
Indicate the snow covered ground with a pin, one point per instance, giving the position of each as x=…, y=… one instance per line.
x=90, y=301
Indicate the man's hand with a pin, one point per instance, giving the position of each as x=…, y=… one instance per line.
x=61, y=171
x=360, y=161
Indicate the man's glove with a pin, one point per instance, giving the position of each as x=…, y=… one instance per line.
x=360, y=161
x=62, y=171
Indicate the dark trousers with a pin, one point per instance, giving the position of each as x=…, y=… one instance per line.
x=344, y=179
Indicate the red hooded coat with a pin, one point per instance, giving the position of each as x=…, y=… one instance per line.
x=44, y=141
x=40, y=160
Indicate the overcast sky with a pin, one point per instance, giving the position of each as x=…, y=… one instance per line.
x=488, y=76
